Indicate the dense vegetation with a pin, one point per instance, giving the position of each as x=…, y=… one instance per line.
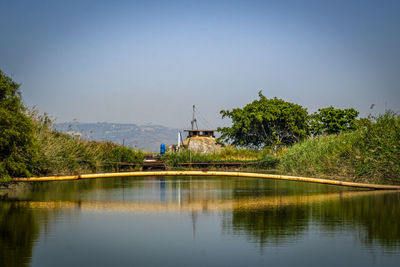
x=63, y=154
x=18, y=146
x=269, y=133
x=265, y=123
x=28, y=145
x=275, y=123
x=331, y=120
x=371, y=153
x=331, y=142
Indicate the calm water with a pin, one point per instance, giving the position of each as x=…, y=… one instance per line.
x=198, y=221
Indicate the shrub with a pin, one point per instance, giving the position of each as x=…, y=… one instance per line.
x=371, y=153
x=18, y=147
x=379, y=145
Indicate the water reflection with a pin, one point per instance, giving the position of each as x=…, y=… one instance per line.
x=267, y=213
x=18, y=231
x=251, y=204
x=371, y=215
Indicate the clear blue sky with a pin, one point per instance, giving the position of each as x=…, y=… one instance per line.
x=149, y=61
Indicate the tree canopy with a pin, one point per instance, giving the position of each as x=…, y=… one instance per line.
x=265, y=122
x=331, y=120
x=18, y=146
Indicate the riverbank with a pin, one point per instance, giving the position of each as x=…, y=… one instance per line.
x=209, y=173
x=369, y=154
x=365, y=150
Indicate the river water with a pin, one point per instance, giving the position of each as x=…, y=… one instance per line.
x=197, y=221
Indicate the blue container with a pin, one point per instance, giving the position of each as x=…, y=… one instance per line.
x=162, y=149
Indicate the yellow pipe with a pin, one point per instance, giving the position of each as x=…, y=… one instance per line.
x=210, y=173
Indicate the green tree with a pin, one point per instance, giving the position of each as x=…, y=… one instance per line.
x=265, y=122
x=18, y=146
x=331, y=120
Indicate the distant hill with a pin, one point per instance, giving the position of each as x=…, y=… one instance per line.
x=147, y=137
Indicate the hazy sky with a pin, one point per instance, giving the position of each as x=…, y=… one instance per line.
x=150, y=61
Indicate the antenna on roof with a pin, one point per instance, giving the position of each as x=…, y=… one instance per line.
x=194, y=121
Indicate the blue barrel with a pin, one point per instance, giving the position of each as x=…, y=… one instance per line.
x=162, y=149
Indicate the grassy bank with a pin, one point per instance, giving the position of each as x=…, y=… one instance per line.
x=369, y=154
x=62, y=154
x=259, y=158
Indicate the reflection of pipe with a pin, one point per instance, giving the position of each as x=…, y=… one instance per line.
x=211, y=173
x=253, y=203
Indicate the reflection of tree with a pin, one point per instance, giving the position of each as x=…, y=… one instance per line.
x=18, y=230
x=272, y=225
x=377, y=217
x=373, y=217
x=266, y=212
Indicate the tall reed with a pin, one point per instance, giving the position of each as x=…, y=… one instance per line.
x=61, y=153
x=370, y=154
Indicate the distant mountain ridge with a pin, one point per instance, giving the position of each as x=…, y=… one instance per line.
x=146, y=137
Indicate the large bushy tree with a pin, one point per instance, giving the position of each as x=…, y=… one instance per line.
x=18, y=146
x=265, y=123
x=332, y=120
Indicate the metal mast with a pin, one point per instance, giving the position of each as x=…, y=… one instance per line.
x=194, y=121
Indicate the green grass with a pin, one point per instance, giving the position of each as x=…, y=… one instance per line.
x=61, y=154
x=369, y=154
x=326, y=155
x=261, y=158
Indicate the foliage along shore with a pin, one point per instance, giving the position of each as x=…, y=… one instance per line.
x=269, y=133
x=330, y=143
x=29, y=147
x=61, y=154
x=369, y=154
